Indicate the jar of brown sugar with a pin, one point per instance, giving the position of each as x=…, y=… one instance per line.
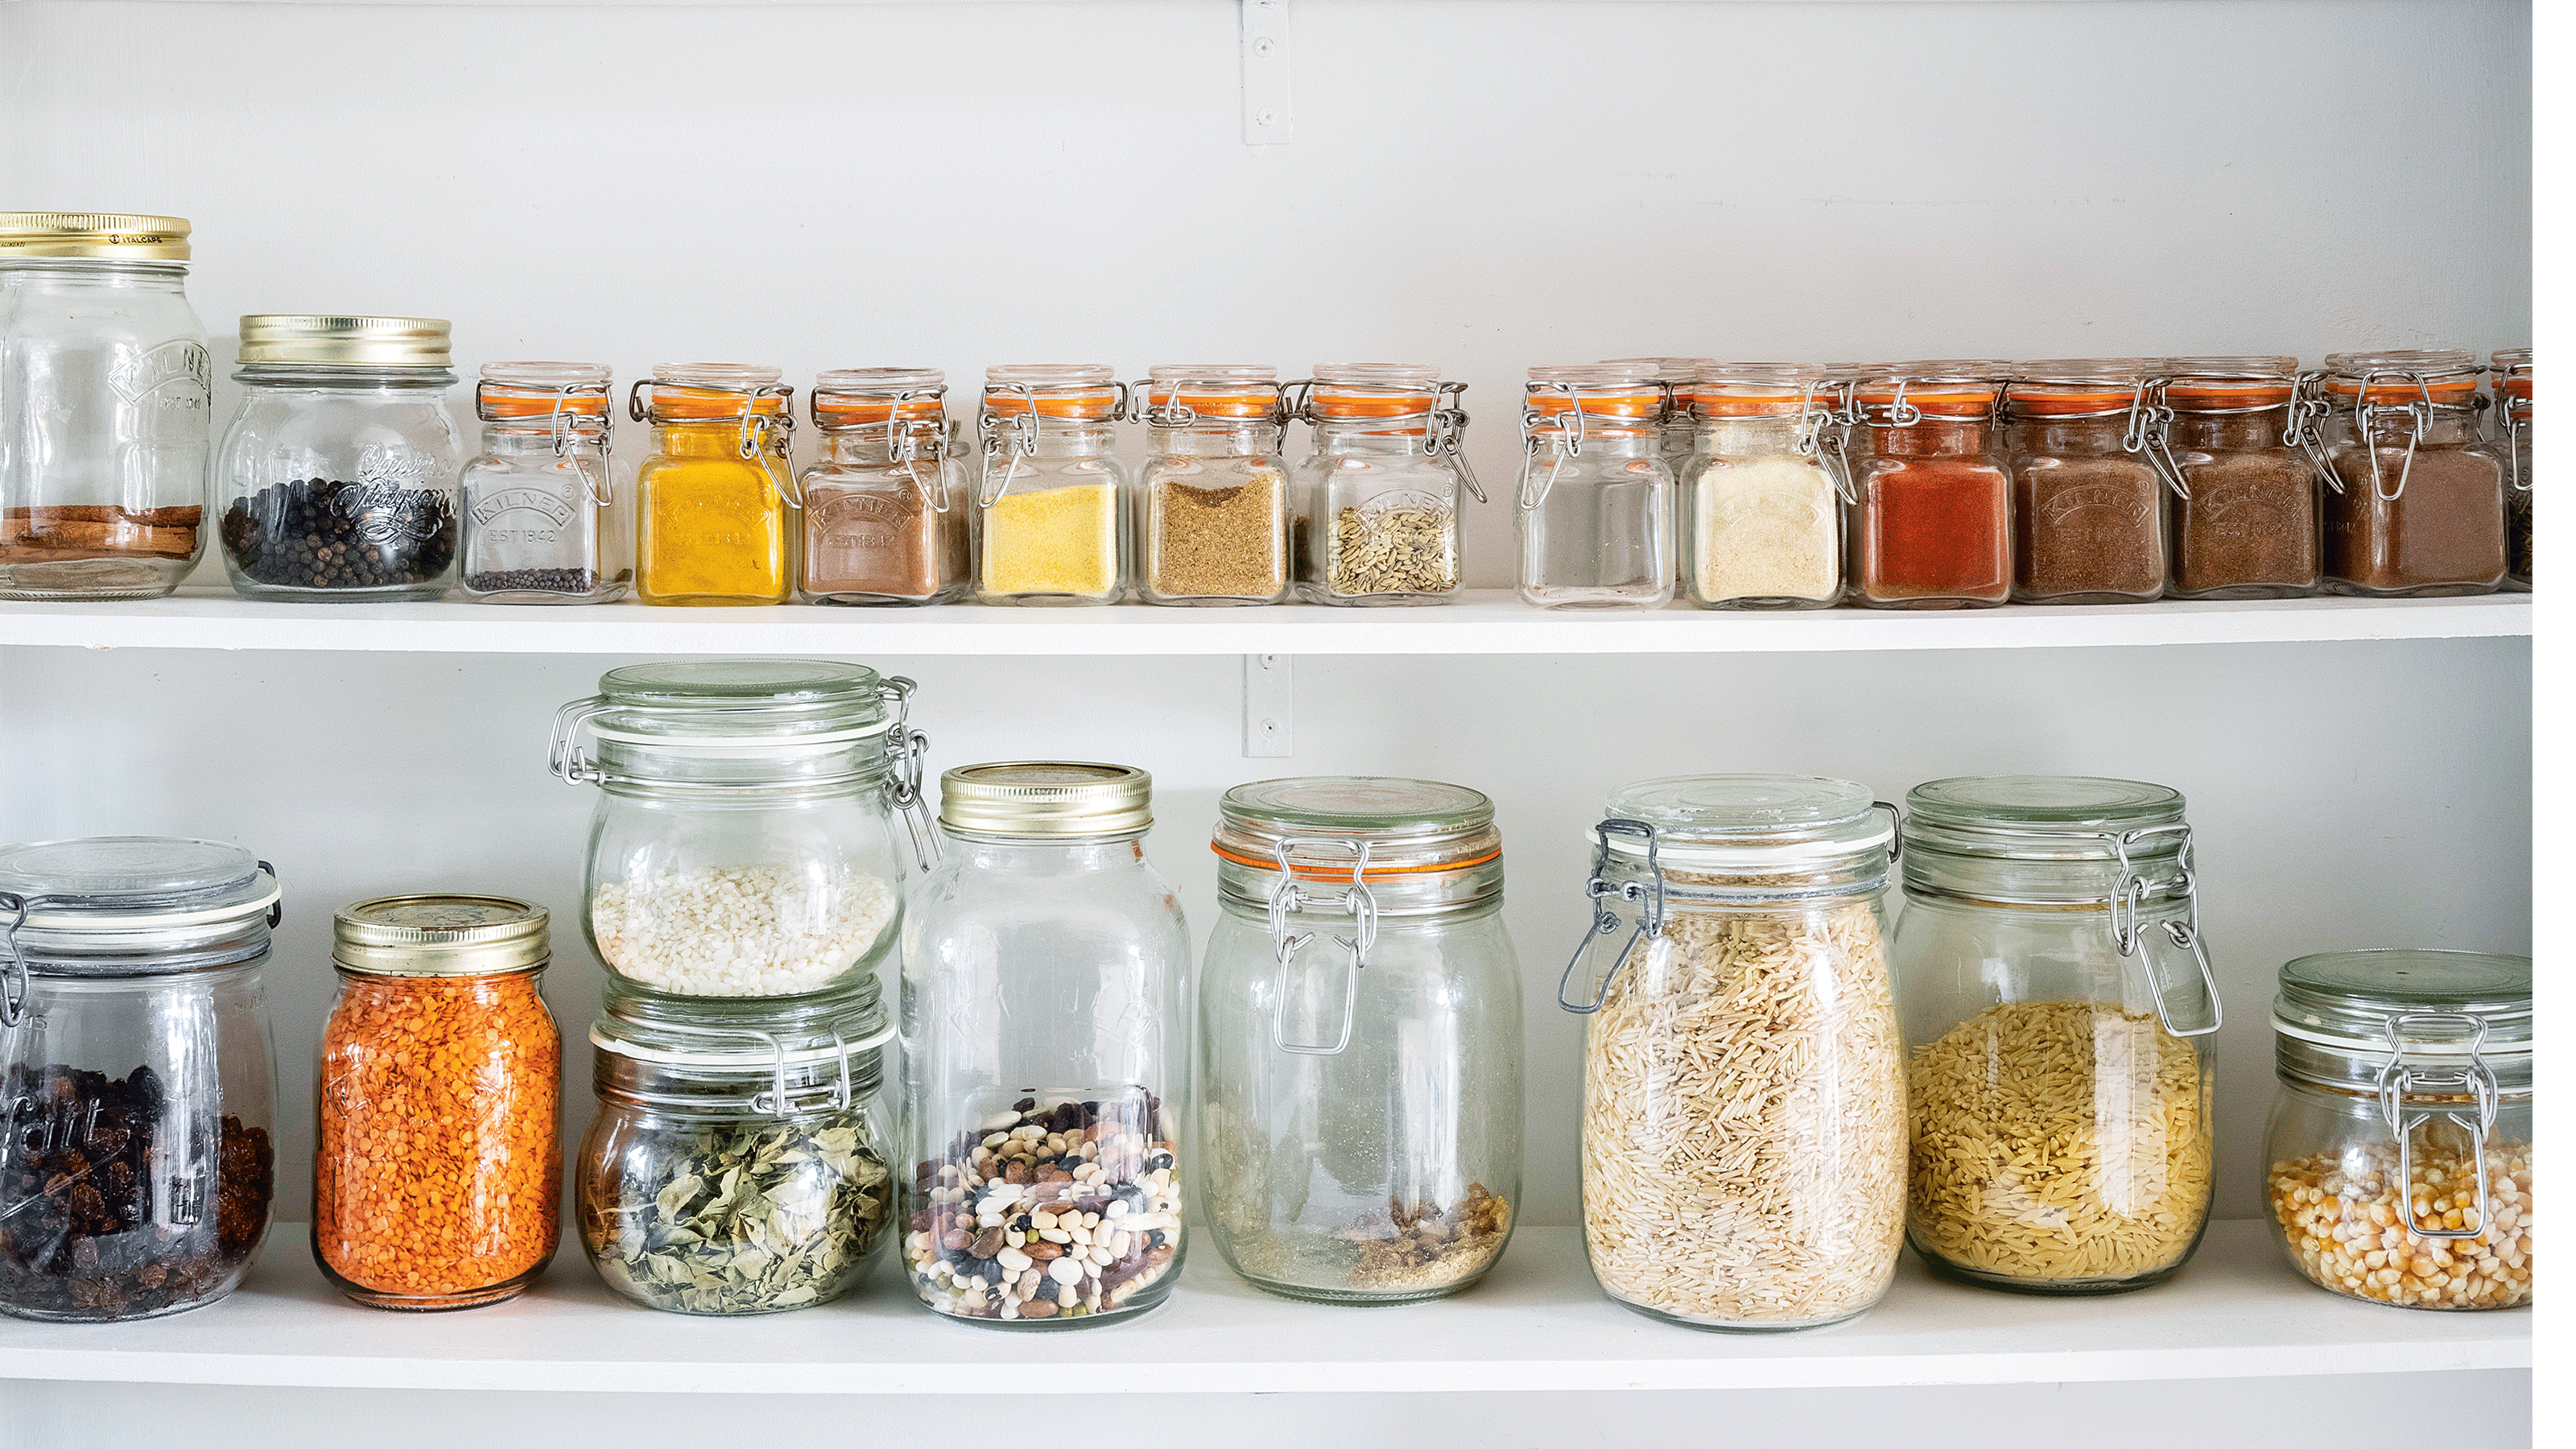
x=2088, y=504
x=2245, y=515
x=2415, y=507
x=1212, y=517
x=885, y=511
x=2510, y=376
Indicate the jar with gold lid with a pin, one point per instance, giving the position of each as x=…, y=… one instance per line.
x=886, y=516
x=545, y=519
x=716, y=504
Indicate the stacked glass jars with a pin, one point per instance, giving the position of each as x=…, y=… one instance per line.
x=716, y=503
x=545, y=522
x=104, y=418
x=1761, y=494
x=1595, y=514
x=2510, y=376
x=2246, y=514
x=2088, y=504
x=2416, y=501
x=1212, y=502
x=1048, y=493
x=1360, y=1040
x=1931, y=517
x=135, y=1062
x=1374, y=505
x=886, y=520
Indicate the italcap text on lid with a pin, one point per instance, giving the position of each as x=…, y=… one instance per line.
x=93, y=235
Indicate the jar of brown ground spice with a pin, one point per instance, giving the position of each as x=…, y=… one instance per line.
x=885, y=514
x=2510, y=376
x=2246, y=514
x=2088, y=504
x=1212, y=520
x=2415, y=508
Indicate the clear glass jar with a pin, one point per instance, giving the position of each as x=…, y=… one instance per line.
x=1045, y=1049
x=886, y=520
x=545, y=519
x=716, y=504
x=1930, y=522
x=1212, y=501
x=743, y=844
x=2088, y=504
x=1680, y=378
x=2415, y=503
x=1374, y=503
x=1595, y=516
x=1359, y=1071
x=2058, y=1005
x=1049, y=495
x=2510, y=376
x=736, y=1165
x=137, y=1075
x=104, y=407
x=2248, y=508
x=1761, y=492
x=437, y=1177
x=336, y=482
x=1743, y=1081
x=2409, y=1067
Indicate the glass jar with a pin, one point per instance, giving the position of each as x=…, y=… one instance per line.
x=1047, y=499
x=1360, y=1040
x=1374, y=503
x=1930, y=523
x=2510, y=376
x=1595, y=519
x=1761, y=490
x=337, y=479
x=104, y=407
x=2415, y=502
x=545, y=522
x=2058, y=1005
x=136, y=1074
x=1045, y=1038
x=2088, y=504
x=2248, y=506
x=1743, y=1080
x=743, y=844
x=2409, y=1067
x=716, y=505
x=1680, y=378
x=436, y=1174
x=1212, y=502
x=736, y=1165
x=885, y=511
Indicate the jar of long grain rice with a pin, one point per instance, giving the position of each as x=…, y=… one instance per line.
x=2058, y=1005
x=1743, y=1079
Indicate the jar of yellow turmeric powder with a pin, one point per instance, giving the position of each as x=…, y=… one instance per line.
x=716, y=505
x=1047, y=497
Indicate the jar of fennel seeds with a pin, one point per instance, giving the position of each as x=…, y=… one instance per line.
x=1373, y=505
x=2247, y=507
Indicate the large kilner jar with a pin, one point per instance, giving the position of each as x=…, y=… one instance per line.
x=2415, y=491
x=2510, y=376
x=2247, y=506
x=136, y=1075
x=1595, y=501
x=1743, y=1079
x=886, y=519
x=2400, y=1143
x=2058, y=1006
x=1360, y=1040
x=1374, y=505
x=545, y=519
x=1049, y=489
x=1761, y=494
x=1212, y=502
x=1045, y=1034
x=716, y=503
x=1930, y=523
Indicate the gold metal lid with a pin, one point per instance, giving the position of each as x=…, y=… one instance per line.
x=1046, y=800
x=328, y=341
x=107, y=235
x=440, y=935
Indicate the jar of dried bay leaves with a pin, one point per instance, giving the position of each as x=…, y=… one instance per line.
x=1375, y=504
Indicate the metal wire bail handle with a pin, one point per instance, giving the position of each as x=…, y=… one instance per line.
x=2397, y=1081
x=2309, y=407
x=2514, y=420
x=564, y=759
x=1605, y=922
x=1568, y=442
x=2129, y=896
x=2366, y=416
x=1286, y=899
x=901, y=446
x=1824, y=434
x=1446, y=436
x=2150, y=434
x=906, y=748
x=15, y=982
x=572, y=431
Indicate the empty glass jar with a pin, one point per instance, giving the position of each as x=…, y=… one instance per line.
x=1930, y=523
x=886, y=518
x=2415, y=506
x=716, y=504
x=2088, y=504
x=1049, y=492
x=1212, y=501
x=1374, y=504
x=1680, y=379
x=2511, y=380
x=1761, y=493
x=546, y=521
x=1595, y=515
x=2246, y=514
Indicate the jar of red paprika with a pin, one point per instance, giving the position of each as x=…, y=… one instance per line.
x=1931, y=516
x=2246, y=512
x=2415, y=506
x=2088, y=502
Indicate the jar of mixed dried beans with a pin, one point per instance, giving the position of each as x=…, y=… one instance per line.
x=2247, y=507
x=2088, y=499
x=1212, y=501
x=1049, y=492
x=885, y=508
x=1762, y=495
x=2510, y=376
x=2415, y=506
x=1374, y=505
x=1930, y=522
x=545, y=522
x=1595, y=501
x=716, y=504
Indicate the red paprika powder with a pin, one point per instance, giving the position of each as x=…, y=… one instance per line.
x=1931, y=522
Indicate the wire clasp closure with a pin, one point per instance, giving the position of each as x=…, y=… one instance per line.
x=1605, y=921
x=2128, y=899
x=1286, y=899
x=576, y=433
x=764, y=435
x=2476, y=1081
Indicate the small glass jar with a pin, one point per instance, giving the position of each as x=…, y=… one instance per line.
x=1045, y=1038
x=1374, y=503
x=1760, y=493
x=545, y=519
x=886, y=520
x=1743, y=1080
x=716, y=504
x=2415, y=503
x=2058, y=1005
x=2510, y=376
x=1680, y=377
x=1360, y=1040
x=437, y=1178
x=2088, y=504
x=136, y=1075
x=743, y=844
x=1930, y=523
x=1595, y=515
x=104, y=407
x=736, y=1165
x=2412, y=1068
x=1212, y=501
x=2248, y=509
x=336, y=482
x=1048, y=497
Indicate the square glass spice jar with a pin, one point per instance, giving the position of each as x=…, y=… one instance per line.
x=1374, y=506
x=546, y=521
x=2247, y=514
x=886, y=517
x=2088, y=501
x=2415, y=504
x=1212, y=502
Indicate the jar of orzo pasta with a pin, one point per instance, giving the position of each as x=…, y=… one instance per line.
x=2412, y=1068
x=2058, y=1005
x=1743, y=1076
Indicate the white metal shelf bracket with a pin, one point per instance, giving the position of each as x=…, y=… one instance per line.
x=1269, y=707
x=1267, y=118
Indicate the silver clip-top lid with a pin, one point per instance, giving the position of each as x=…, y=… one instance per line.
x=128, y=905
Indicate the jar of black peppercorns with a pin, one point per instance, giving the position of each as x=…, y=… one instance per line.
x=336, y=482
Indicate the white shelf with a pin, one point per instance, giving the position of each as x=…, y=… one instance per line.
x=1487, y=622
x=1537, y=1323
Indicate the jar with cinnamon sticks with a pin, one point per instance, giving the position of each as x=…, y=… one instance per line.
x=2246, y=513
x=885, y=507
x=1930, y=524
x=2088, y=502
x=2415, y=507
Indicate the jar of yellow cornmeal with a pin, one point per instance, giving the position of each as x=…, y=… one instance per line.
x=1048, y=497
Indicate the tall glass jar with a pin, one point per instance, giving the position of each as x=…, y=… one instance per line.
x=336, y=481
x=2058, y=1005
x=104, y=416
x=437, y=1178
x=1360, y=1040
x=2088, y=503
x=2400, y=1143
x=1761, y=506
x=1212, y=502
x=716, y=504
x=1743, y=1080
x=136, y=1075
x=1680, y=378
x=2248, y=505
x=743, y=844
x=1048, y=496
x=2510, y=376
x=545, y=519
x=2415, y=507
x=1931, y=518
x=886, y=520
x=1373, y=505
x=1045, y=1050
x=1595, y=515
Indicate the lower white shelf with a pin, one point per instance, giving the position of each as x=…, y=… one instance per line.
x=1538, y=1322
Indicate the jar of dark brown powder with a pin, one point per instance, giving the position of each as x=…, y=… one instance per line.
x=2510, y=376
x=885, y=514
x=2245, y=517
x=2416, y=504
x=2088, y=504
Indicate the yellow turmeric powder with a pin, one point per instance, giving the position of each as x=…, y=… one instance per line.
x=712, y=526
x=1053, y=541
